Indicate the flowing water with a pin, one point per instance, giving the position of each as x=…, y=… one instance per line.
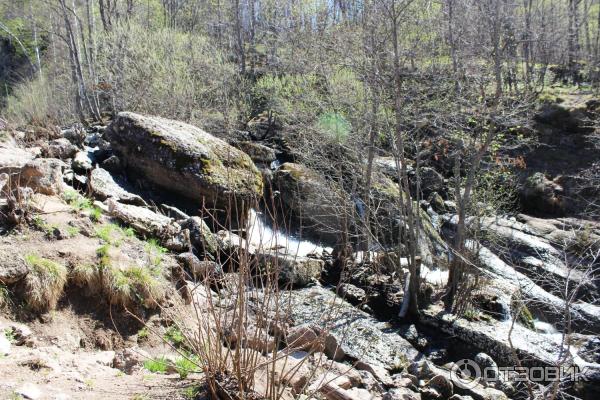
x=261, y=234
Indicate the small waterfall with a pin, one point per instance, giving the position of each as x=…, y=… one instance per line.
x=263, y=236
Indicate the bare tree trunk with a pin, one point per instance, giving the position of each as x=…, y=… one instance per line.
x=406, y=208
x=527, y=45
x=573, y=39
x=239, y=36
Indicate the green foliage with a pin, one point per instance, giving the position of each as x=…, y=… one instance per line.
x=76, y=200
x=10, y=335
x=155, y=251
x=95, y=214
x=191, y=392
x=113, y=234
x=158, y=365
x=334, y=126
x=135, y=284
x=186, y=365
x=143, y=334
x=36, y=102
x=103, y=254
x=72, y=231
x=293, y=98
x=174, y=336
x=181, y=75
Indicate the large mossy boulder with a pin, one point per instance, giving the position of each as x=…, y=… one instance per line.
x=184, y=160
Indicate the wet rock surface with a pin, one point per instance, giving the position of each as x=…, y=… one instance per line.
x=360, y=336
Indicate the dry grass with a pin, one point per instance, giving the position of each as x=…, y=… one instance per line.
x=135, y=284
x=44, y=284
x=126, y=286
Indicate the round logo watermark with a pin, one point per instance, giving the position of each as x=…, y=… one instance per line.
x=464, y=374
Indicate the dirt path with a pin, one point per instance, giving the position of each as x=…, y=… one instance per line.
x=57, y=374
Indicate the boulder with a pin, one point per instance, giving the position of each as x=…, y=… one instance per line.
x=143, y=220
x=541, y=195
x=259, y=153
x=199, y=269
x=59, y=148
x=200, y=235
x=12, y=268
x=353, y=294
x=317, y=206
x=13, y=159
x=82, y=162
x=43, y=175
x=442, y=385
x=294, y=270
x=103, y=186
x=112, y=164
x=75, y=134
x=431, y=181
x=184, y=160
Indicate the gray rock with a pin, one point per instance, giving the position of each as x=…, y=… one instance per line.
x=59, y=148
x=442, y=385
x=112, y=164
x=309, y=197
x=103, y=186
x=21, y=333
x=43, y=175
x=127, y=360
x=431, y=181
x=199, y=269
x=143, y=220
x=76, y=134
x=359, y=335
x=12, y=268
x=82, y=162
x=200, y=235
x=294, y=270
x=259, y=153
x=401, y=394
x=13, y=159
x=353, y=294
x=184, y=159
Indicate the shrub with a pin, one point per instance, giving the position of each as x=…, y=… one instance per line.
x=44, y=283
x=39, y=102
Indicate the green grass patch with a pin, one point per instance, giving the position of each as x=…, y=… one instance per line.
x=157, y=366
x=187, y=365
x=155, y=251
x=174, y=336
